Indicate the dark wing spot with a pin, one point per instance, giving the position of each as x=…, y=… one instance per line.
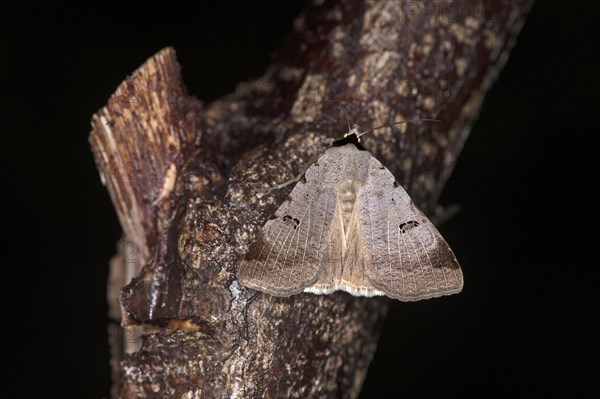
x=396, y=184
x=411, y=224
x=294, y=222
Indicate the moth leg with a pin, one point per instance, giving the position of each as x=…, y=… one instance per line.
x=282, y=185
x=286, y=183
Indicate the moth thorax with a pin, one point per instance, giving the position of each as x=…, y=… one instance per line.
x=347, y=198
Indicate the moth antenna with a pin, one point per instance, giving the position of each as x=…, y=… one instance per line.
x=343, y=110
x=398, y=123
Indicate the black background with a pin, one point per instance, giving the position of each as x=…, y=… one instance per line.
x=527, y=320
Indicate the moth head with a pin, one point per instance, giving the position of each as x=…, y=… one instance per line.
x=353, y=131
x=353, y=135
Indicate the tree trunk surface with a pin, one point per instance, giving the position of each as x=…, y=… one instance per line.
x=186, y=178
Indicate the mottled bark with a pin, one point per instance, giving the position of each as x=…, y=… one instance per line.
x=184, y=179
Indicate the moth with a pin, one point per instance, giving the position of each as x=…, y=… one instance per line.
x=349, y=225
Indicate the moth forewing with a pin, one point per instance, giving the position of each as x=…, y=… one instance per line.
x=287, y=255
x=407, y=258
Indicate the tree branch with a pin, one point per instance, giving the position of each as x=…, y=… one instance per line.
x=183, y=179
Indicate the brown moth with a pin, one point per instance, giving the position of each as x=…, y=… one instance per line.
x=349, y=225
